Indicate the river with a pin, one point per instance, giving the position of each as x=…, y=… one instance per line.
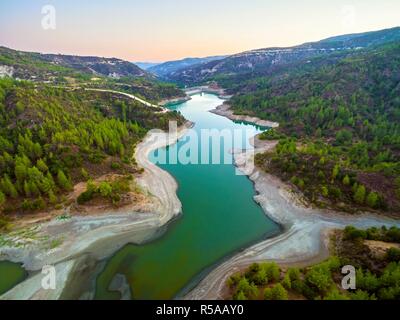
x=219, y=217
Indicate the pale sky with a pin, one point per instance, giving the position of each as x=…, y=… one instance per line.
x=160, y=30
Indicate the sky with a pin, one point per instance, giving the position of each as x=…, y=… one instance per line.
x=162, y=30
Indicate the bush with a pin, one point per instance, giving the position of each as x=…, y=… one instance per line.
x=362, y=295
x=319, y=278
x=85, y=197
x=278, y=292
x=294, y=274
x=351, y=233
x=393, y=255
x=335, y=295
x=272, y=271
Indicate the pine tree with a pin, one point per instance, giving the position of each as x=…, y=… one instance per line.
x=346, y=180
x=8, y=187
x=63, y=180
x=41, y=165
x=359, y=196
x=373, y=200
x=2, y=198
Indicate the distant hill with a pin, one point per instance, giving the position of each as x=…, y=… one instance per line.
x=168, y=69
x=97, y=72
x=146, y=65
x=263, y=60
x=29, y=64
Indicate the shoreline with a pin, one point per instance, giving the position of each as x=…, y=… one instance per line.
x=224, y=110
x=88, y=240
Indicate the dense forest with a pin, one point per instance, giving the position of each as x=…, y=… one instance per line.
x=52, y=138
x=340, y=127
x=374, y=253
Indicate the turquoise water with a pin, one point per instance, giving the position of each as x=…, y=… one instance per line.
x=11, y=274
x=219, y=217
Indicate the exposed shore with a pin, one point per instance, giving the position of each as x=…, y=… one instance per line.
x=305, y=240
x=87, y=240
x=225, y=111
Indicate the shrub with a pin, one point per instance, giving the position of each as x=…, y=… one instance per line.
x=319, y=278
x=278, y=292
x=335, y=295
x=272, y=271
x=351, y=233
x=362, y=295
x=393, y=255
x=373, y=200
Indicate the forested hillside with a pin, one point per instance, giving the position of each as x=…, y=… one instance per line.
x=340, y=127
x=50, y=139
x=233, y=70
x=93, y=72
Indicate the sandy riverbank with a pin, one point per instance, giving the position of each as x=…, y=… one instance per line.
x=305, y=238
x=225, y=111
x=87, y=240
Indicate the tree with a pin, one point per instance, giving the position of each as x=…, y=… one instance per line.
x=359, y=196
x=335, y=172
x=319, y=278
x=240, y=296
x=63, y=180
x=41, y=165
x=278, y=292
x=2, y=198
x=362, y=296
x=250, y=290
x=373, y=200
x=105, y=189
x=335, y=295
x=260, y=278
x=346, y=180
x=8, y=187
x=272, y=270
x=325, y=191
x=287, y=282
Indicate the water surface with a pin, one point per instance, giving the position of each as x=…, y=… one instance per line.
x=11, y=274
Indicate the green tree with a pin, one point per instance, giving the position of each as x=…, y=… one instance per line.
x=287, y=282
x=335, y=295
x=346, y=180
x=41, y=165
x=373, y=200
x=272, y=270
x=359, y=195
x=278, y=292
x=325, y=191
x=8, y=187
x=63, y=181
x=2, y=198
x=105, y=189
x=240, y=296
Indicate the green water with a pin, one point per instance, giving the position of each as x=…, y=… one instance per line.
x=219, y=218
x=11, y=274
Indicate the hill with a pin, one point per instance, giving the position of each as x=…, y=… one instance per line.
x=255, y=62
x=51, y=139
x=340, y=127
x=169, y=69
x=65, y=70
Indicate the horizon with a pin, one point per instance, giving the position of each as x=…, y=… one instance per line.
x=173, y=31
x=191, y=57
